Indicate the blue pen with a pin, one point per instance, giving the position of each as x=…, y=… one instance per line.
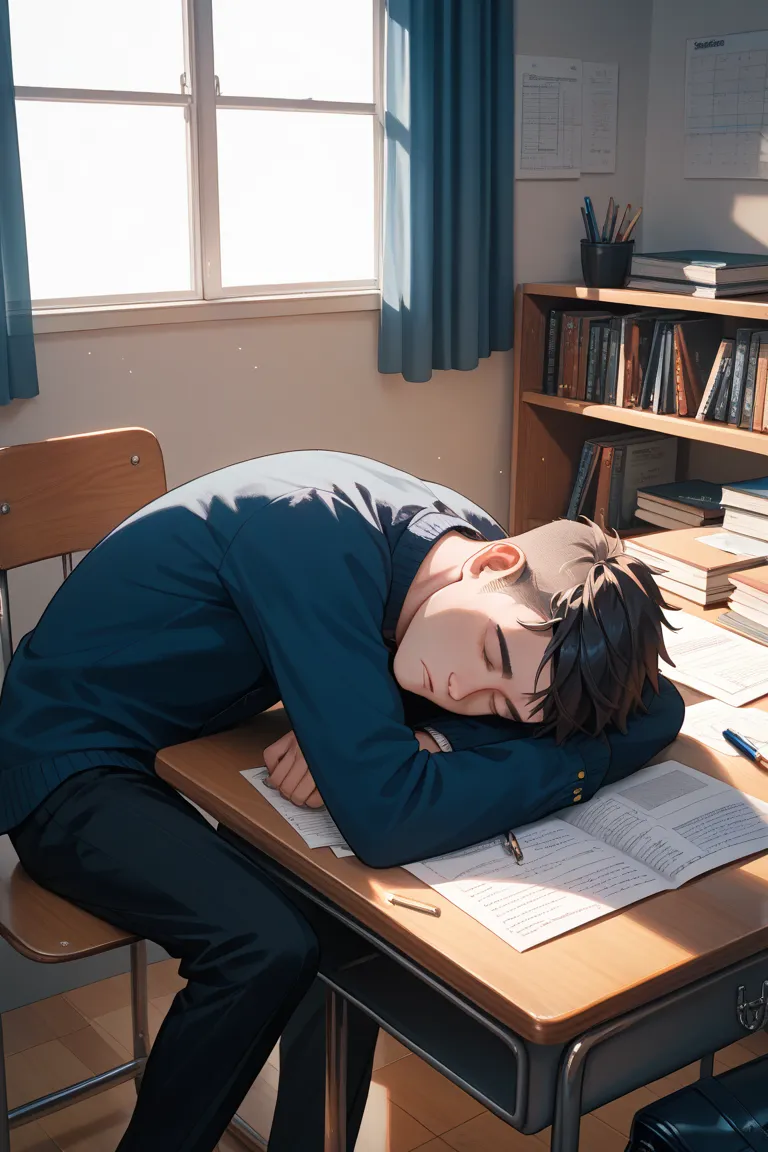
x=746, y=747
x=592, y=220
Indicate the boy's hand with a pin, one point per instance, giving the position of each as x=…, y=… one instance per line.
x=288, y=772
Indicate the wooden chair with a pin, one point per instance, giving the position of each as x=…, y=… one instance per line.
x=58, y=497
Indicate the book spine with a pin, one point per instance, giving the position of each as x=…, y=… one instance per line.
x=617, y=486
x=613, y=358
x=737, y=387
x=549, y=385
x=714, y=378
x=581, y=479
x=760, y=390
x=646, y=392
x=604, y=488
x=681, y=400
x=724, y=390
x=592, y=361
x=762, y=381
x=580, y=387
x=568, y=347
x=602, y=376
x=748, y=408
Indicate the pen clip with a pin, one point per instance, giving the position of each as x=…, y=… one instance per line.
x=512, y=847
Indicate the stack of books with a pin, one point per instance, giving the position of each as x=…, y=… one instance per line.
x=746, y=508
x=659, y=361
x=748, y=606
x=736, y=391
x=700, y=273
x=683, y=563
x=613, y=468
x=687, y=503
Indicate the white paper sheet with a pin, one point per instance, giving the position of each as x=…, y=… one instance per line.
x=715, y=661
x=707, y=721
x=315, y=825
x=726, y=107
x=600, y=106
x=649, y=833
x=566, y=880
x=548, y=117
x=738, y=545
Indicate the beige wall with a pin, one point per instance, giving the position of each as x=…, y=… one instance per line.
x=548, y=224
x=731, y=215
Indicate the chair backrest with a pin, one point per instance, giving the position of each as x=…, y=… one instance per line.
x=64, y=495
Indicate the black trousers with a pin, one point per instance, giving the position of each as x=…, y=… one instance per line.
x=125, y=846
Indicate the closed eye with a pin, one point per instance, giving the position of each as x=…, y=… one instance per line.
x=488, y=663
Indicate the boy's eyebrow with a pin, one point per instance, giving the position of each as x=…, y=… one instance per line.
x=506, y=667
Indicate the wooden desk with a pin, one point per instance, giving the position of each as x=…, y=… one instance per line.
x=553, y=994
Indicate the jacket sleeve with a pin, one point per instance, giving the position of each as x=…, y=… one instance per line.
x=311, y=587
x=647, y=732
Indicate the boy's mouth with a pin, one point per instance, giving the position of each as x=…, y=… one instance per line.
x=426, y=679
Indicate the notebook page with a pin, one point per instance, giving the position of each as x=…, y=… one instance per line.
x=315, y=825
x=567, y=879
x=678, y=821
x=715, y=661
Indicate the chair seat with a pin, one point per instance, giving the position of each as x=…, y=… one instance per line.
x=43, y=926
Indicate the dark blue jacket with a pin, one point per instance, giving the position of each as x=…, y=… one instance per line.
x=283, y=578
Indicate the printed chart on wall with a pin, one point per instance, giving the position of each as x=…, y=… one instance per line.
x=726, y=107
x=566, y=117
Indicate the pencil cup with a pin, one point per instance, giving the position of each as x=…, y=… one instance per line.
x=606, y=265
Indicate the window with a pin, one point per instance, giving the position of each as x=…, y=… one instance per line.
x=181, y=149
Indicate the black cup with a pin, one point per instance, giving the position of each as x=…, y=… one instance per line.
x=606, y=265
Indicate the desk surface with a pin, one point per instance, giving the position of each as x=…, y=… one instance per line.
x=552, y=992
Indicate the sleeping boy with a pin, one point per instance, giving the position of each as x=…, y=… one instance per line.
x=444, y=683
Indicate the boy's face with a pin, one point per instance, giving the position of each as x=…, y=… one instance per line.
x=467, y=650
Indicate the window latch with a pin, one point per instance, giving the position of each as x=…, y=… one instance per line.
x=183, y=84
x=216, y=86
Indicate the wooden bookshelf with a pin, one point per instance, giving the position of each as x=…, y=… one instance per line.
x=549, y=431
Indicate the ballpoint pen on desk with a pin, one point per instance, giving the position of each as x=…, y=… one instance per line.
x=414, y=905
x=746, y=747
x=592, y=220
x=587, y=229
x=624, y=217
x=613, y=223
x=512, y=846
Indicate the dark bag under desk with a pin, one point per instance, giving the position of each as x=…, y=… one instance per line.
x=727, y=1113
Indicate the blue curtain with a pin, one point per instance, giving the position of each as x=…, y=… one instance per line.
x=448, y=291
x=18, y=368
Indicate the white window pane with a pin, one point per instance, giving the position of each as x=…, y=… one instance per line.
x=295, y=49
x=105, y=198
x=296, y=197
x=136, y=45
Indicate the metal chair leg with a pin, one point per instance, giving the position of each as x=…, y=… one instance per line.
x=5, y=1131
x=706, y=1066
x=335, y=1072
x=139, y=1005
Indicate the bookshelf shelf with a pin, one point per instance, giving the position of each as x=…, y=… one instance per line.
x=686, y=427
x=549, y=431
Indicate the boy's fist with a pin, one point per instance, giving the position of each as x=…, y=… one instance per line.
x=288, y=772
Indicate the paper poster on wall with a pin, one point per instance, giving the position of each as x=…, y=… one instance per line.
x=547, y=118
x=726, y=107
x=600, y=107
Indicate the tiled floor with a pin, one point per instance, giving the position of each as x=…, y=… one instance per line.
x=67, y=1038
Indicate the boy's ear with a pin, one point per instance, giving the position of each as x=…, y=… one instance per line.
x=502, y=558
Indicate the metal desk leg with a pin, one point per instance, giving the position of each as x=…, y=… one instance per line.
x=5, y=1131
x=335, y=1072
x=707, y=1066
x=139, y=1005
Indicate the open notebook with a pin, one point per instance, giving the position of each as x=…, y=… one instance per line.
x=650, y=833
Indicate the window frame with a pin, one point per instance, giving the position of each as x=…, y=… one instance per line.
x=199, y=96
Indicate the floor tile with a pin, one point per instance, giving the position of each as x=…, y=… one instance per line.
x=619, y=1113
x=734, y=1055
x=93, y=1125
x=422, y=1092
x=24, y=1028
x=119, y=1023
x=258, y=1107
x=163, y=978
x=436, y=1145
x=40, y=1070
x=674, y=1080
x=60, y=1015
x=388, y=1050
x=487, y=1131
x=31, y=1138
x=104, y=996
x=388, y=1128
x=97, y=1052
x=756, y=1042
x=163, y=1003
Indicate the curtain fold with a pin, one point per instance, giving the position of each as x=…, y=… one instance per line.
x=447, y=284
x=18, y=367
